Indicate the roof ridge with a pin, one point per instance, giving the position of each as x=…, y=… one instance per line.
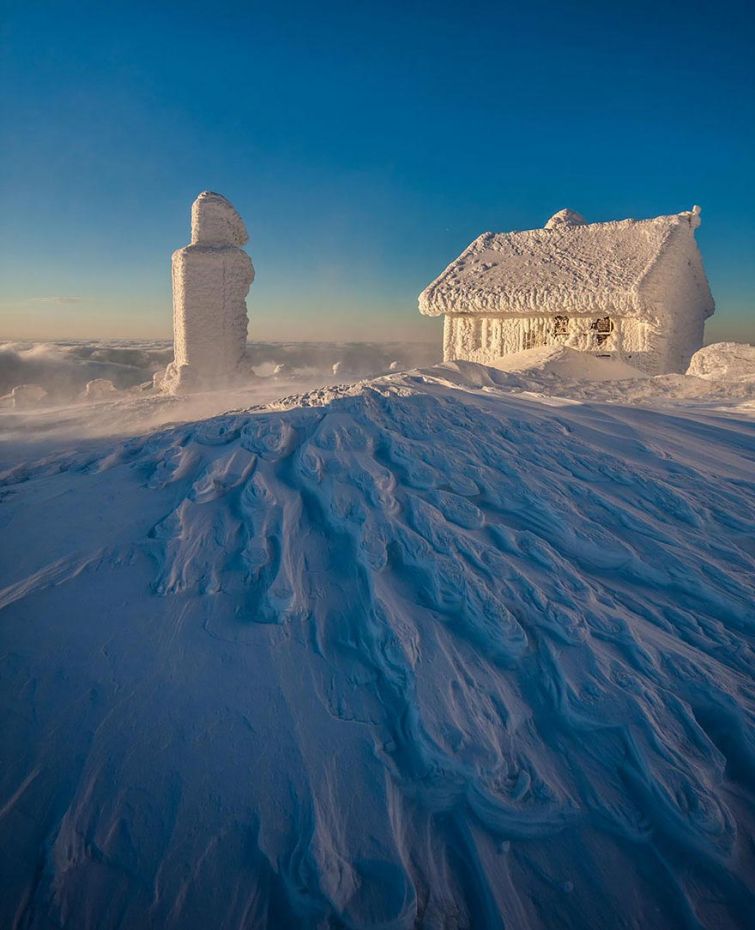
x=669, y=217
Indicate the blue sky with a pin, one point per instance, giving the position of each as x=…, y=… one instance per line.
x=365, y=144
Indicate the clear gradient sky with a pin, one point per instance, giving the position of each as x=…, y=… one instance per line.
x=365, y=144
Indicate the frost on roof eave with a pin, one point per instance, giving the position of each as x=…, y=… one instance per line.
x=427, y=300
x=433, y=302
x=427, y=305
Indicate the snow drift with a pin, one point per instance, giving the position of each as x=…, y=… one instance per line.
x=724, y=361
x=415, y=652
x=568, y=365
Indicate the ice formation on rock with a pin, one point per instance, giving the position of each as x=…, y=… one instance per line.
x=100, y=389
x=211, y=278
x=27, y=395
x=632, y=289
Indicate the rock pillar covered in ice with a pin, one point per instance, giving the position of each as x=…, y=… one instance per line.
x=211, y=278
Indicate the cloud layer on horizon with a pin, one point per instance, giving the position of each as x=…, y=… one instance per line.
x=64, y=368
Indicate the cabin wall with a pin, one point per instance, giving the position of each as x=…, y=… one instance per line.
x=643, y=345
x=485, y=339
x=686, y=338
x=678, y=288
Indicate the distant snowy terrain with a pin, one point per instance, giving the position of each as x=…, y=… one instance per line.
x=63, y=368
x=449, y=648
x=68, y=414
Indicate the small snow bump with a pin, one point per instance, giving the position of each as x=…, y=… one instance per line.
x=566, y=217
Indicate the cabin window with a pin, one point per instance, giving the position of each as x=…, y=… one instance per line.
x=561, y=326
x=602, y=328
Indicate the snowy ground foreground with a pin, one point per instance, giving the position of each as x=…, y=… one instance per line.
x=29, y=434
x=442, y=649
x=560, y=374
x=67, y=417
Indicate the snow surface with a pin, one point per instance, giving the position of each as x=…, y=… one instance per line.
x=433, y=650
x=64, y=368
x=566, y=217
x=67, y=418
x=568, y=364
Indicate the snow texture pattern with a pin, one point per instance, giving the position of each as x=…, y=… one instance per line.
x=408, y=653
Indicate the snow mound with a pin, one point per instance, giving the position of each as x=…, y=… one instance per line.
x=555, y=376
x=403, y=654
x=100, y=389
x=568, y=363
x=724, y=361
x=566, y=217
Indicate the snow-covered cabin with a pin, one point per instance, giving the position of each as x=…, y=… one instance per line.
x=633, y=289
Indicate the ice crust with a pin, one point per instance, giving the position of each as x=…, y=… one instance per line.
x=412, y=652
x=211, y=278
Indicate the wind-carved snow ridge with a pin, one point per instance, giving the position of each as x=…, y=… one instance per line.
x=416, y=655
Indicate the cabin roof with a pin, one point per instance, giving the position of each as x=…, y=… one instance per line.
x=569, y=266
